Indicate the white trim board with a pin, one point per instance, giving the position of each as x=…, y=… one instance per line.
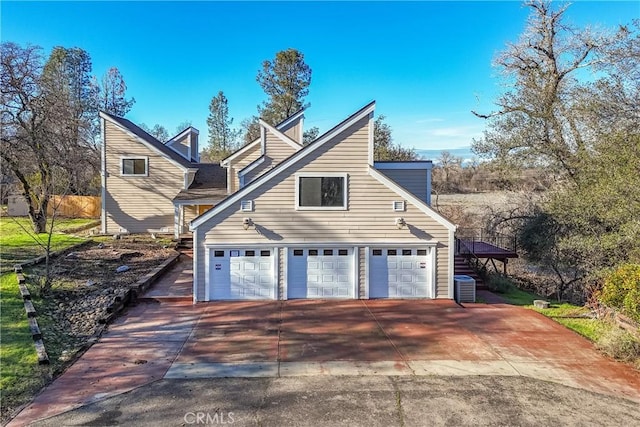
x=305, y=245
x=251, y=166
x=103, y=178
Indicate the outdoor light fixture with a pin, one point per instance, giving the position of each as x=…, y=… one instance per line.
x=400, y=223
x=246, y=223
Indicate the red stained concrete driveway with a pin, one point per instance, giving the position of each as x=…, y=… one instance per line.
x=174, y=339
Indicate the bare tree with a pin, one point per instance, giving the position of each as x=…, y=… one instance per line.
x=536, y=122
x=24, y=148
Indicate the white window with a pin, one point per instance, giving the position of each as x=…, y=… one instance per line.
x=321, y=191
x=135, y=166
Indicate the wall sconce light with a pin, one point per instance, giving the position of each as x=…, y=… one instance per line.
x=400, y=223
x=246, y=223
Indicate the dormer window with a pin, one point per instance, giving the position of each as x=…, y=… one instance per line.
x=321, y=191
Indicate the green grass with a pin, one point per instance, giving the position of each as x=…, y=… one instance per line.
x=20, y=374
x=516, y=296
x=18, y=245
x=574, y=318
x=569, y=315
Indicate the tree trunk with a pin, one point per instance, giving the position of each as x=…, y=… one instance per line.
x=39, y=221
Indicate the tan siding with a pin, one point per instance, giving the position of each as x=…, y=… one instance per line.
x=138, y=204
x=190, y=213
x=276, y=149
x=294, y=130
x=239, y=163
x=414, y=180
x=369, y=218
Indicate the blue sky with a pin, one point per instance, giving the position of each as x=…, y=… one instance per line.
x=427, y=64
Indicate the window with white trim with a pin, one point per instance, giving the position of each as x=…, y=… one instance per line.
x=322, y=192
x=135, y=166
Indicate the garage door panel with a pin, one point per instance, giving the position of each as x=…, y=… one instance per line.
x=242, y=274
x=320, y=273
x=398, y=273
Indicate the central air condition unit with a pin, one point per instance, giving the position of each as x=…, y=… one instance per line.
x=465, y=288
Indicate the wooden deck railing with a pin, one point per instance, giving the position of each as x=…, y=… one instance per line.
x=468, y=240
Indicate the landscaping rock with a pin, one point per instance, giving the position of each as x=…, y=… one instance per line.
x=541, y=303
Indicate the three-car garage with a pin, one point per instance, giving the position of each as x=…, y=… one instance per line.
x=320, y=272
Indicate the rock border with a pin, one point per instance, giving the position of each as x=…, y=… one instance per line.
x=124, y=299
x=43, y=357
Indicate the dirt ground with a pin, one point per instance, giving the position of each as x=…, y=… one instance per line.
x=86, y=281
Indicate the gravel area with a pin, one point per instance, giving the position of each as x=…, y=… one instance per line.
x=86, y=282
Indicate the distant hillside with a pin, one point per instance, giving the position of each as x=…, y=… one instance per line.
x=433, y=155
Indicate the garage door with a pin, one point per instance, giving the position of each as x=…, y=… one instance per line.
x=240, y=274
x=320, y=273
x=398, y=273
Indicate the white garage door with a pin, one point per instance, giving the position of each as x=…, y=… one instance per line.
x=320, y=273
x=398, y=273
x=240, y=274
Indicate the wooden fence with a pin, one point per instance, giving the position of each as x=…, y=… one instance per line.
x=75, y=206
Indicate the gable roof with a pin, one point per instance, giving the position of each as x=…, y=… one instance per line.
x=209, y=185
x=295, y=157
x=306, y=150
x=246, y=147
x=148, y=140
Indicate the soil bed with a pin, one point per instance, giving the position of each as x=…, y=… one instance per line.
x=86, y=281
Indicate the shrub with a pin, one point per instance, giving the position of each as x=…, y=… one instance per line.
x=621, y=290
x=499, y=283
x=619, y=344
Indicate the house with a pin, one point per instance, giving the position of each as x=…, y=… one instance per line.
x=150, y=186
x=322, y=220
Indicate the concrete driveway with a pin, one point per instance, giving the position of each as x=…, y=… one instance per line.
x=173, y=340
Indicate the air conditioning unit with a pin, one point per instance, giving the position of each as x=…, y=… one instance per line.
x=465, y=288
